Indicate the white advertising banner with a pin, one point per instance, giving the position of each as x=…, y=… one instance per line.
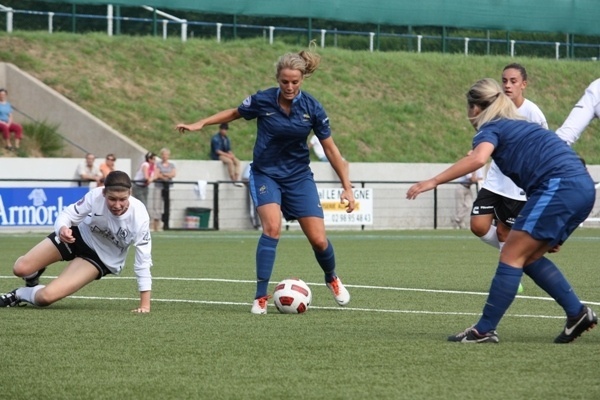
x=335, y=212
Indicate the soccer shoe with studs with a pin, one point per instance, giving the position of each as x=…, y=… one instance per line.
x=9, y=299
x=586, y=320
x=35, y=280
x=470, y=335
x=340, y=293
x=260, y=305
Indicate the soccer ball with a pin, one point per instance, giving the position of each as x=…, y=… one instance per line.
x=292, y=296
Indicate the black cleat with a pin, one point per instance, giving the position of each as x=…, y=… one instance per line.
x=9, y=299
x=575, y=326
x=470, y=335
x=31, y=282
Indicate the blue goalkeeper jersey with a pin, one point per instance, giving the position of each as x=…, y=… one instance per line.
x=281, y=150
x=529, y=154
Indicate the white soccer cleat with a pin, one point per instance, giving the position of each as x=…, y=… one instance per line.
x=260, y=305
x=340, y=293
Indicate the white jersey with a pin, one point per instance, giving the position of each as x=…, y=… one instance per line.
x=318, y=148
x=496, y=181
x=586, y=109
x=110, y=236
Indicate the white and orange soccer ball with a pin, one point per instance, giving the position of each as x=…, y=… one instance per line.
x=292, y=296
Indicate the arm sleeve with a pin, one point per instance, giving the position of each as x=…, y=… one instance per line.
x=143, y=260
x=74, y=213
x=586, y=109
x=249, y=109
x=321, y=123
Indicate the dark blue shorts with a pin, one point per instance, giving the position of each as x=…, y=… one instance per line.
x=297, y=198
x=557, y=208
x=80, y=249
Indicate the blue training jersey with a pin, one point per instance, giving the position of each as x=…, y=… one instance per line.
x=281, y=150
x=529, y=154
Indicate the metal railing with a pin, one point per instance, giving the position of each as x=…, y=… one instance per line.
x=326, y=37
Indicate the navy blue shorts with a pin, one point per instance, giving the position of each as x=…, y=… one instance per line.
x=298, y=198
x=557, y=208
x=70, y=251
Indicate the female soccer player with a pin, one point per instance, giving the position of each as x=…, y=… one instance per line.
x=94, y=235
x=500, y=198
x=280, y=179
x=586, y=109
x=560, y=195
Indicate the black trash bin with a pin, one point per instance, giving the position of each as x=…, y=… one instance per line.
x=197, y=217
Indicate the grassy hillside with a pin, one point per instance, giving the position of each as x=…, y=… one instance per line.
x=384, y=107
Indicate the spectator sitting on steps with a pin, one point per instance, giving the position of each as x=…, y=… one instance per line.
x=220, y=149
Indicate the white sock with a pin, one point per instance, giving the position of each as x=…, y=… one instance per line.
x=491, y=237
x=30, y=276
x=28, y=293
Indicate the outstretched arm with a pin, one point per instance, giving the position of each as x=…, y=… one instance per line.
x=470, y=163
x=218, y=118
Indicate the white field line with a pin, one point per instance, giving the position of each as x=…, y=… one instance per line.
x=316, y=307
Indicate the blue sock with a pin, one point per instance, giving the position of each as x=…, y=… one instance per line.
x=502, y=293
x=265, y=260
x=546, y=275
x=326, y=260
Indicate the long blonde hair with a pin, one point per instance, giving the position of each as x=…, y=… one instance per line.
x=305, y=61
x=494, y=104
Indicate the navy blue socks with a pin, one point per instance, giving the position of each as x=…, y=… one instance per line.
x=502, y=293
x=326, y=260
x=265, y=260
x=546, y=275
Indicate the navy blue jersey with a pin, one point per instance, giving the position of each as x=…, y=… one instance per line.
x=280, y=150
x=529, y=154
x=218, y=142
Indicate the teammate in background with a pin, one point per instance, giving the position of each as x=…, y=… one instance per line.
x=560, y=195
x=586, y=109
x=93, y=235
x=280, y=178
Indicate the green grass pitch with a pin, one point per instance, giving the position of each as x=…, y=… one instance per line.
x=410, y=289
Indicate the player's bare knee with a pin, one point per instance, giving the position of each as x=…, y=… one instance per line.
x=479, y=230
x=21, y=267
x=320, y=245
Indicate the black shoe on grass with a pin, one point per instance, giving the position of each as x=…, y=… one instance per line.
x=575, y=326
x=470, y=335
x=31, y=282
x=9, y=299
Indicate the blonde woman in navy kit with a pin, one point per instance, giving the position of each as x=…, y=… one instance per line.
x=281, y=180
x=560, y=196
